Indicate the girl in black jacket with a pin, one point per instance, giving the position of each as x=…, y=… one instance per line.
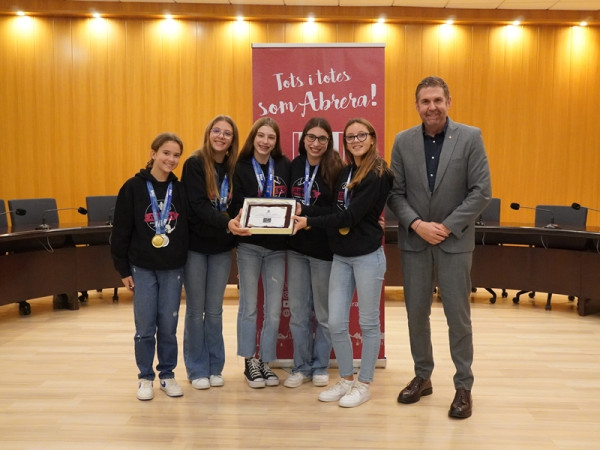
x=149, y=249
x=261, y=171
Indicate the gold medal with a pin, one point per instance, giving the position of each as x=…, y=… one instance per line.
x=344, y=231
x=158, y=240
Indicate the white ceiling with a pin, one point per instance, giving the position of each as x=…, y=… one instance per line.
x=573, y=5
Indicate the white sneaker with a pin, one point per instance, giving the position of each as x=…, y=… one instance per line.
x=201, y=383
x=171, y=387
x=357, y=395
x=321, y=379
x=145, y=391
x=216, y=380
x=295, y=379
x=337, y=391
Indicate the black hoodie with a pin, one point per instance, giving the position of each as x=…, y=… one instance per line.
x=208, y=226
x=133, y=227
x=246, y=186
x=362, y=216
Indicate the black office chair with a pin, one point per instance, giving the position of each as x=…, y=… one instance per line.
x=100, y=211
x=557, y=216
x=41, y=213
x=491, y=214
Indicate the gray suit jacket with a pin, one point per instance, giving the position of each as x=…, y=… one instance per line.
x=462, y=186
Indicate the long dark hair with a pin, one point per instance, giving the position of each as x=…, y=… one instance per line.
x=331, y=162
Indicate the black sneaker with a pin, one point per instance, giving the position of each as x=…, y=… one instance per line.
x=253, y=374
x=268, y=375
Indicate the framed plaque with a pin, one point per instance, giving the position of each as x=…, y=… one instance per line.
x=269, y=215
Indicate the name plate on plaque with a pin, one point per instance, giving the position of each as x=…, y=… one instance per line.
x=268, y=215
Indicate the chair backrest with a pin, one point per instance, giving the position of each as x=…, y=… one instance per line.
x=101, y=208
x=564, y=217
x=492, y=211
x=39, y=210
x=3, y=219
x=560, y=215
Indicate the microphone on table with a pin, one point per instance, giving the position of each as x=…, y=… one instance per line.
x=516, y=207
x=45, y=226
x=18, y=212
x=577, y=206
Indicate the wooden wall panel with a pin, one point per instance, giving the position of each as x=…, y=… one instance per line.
x=83, y=98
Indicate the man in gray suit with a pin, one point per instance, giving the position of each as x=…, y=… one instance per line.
x=442, y=183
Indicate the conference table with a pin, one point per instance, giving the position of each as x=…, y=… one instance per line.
x=58, y=261
x=521, y=257
x=65, y=260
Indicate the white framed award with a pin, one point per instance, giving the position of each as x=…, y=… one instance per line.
x=269, y=215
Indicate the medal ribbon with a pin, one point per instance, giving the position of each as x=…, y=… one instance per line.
x=347, y=193
x=260, y=178
x=223, y=192
x=160, y=220
x=308, y=182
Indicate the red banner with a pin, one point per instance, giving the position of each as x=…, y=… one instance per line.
x=294, y=82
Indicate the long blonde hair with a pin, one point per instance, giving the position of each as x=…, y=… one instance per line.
x=371, y=161
x=207, y=154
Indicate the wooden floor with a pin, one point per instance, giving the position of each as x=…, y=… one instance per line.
x=69, y=381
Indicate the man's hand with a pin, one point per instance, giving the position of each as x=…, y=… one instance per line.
x=432, y=232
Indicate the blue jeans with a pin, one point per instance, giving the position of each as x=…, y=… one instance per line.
x=156, y=300
x=205, y=281
x=366, y=274
x=253, y=262
x=308, y=286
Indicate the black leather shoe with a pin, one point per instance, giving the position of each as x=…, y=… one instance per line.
x=414, y=390
x=462, y=405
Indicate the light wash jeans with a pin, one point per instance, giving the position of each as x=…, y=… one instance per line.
x=366, y=274
x=156, y=300
x=253, y=262
x=205, y=281
x=308, y=286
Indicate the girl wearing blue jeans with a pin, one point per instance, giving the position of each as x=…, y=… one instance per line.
x=149, y=248
x=208, y=178
x=261, y=171
x=355, y=237
x=313, y=175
